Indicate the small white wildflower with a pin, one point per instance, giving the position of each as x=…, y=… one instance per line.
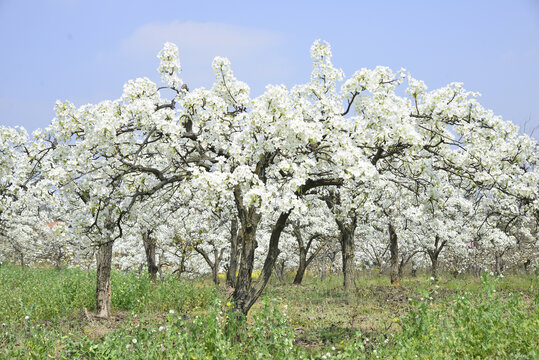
x=134, y=341
x=333, y=348
x=161, y=328
x=432, y=278
x=26, y=317
x=171, y=311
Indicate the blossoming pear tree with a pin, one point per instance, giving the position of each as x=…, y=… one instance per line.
x=28, y=227
x=12, y=164
x=106, y=157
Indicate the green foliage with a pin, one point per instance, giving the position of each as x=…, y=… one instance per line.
x=480, y=325
x=492, y=318
x=28, y=340
x=136, y=293
x=44, y=294
x=49, y=294
x=220, y=334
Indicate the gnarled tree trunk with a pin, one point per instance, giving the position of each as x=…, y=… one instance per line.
x=213, y=264
x=301, y=267
x=149, y=248
x=249, y=219
x=103, y=291
x=280, y=270
x=405, y=259
x=217, y=256
x=394, y=251
x=245, y=294
x=434, y=254
x=234, y=254
x=246, y=299
x=346, y=238
x=304, y=248
x=498, y=262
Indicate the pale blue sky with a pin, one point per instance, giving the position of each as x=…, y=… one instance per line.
x=84, y=51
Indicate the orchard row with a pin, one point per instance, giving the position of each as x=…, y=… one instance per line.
x=332, y=174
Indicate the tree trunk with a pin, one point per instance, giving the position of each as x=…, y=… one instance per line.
x=394, y=251
x=213, y=264
x=346, y=238
x=401, y=267
x=58, y=258
x=245, y=294
x=247, y=240
x=527, y=265
x=304, y=248
x=434, y=255
x=104, y=260
x=215, y=269
x=183, y=259
x=498, y=263
x=301, y=267
x=149, y=248
x=323, y=269
x=279, y=270
x=233, y=262
x=434, y=266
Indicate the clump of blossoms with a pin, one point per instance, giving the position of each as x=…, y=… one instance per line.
x=169, y=66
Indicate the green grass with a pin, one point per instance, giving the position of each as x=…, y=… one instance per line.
x=471, y=325
x=462, y=318
x=49, y=294
x=43, y=294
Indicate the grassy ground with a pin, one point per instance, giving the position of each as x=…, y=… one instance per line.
x=42, y=312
